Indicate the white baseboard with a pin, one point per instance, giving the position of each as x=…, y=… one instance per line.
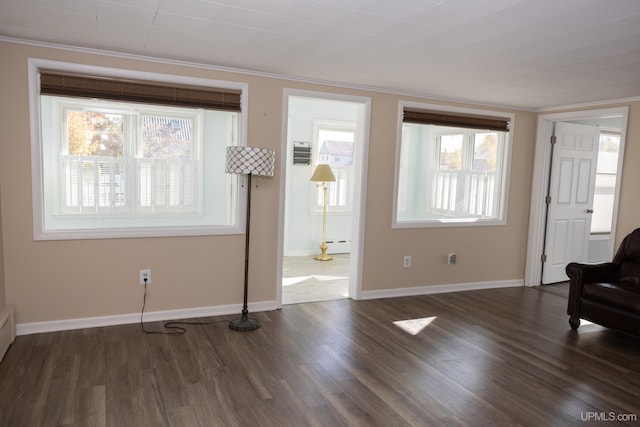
x=335, y=247
x=438, y=289
x=223, y=310
x=151, y=316
x=7, y=329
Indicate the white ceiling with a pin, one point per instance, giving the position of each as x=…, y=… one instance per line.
x=528, y=54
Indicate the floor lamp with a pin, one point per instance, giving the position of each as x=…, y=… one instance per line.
x=248, y=161
x=323, y=174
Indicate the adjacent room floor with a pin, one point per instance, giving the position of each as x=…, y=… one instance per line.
x=305, y=279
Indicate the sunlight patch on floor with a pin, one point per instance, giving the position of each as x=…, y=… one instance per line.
x=414, y=326
x=288, y=281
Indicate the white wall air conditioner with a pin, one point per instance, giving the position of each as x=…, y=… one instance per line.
x=301, y=153
x=7, y=329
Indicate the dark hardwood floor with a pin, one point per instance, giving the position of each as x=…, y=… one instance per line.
x=499, y=357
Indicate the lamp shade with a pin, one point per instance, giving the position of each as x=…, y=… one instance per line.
x=250, y=160
x=323, y=173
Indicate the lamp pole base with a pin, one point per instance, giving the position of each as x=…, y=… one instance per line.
x=323, y=256
x=244, y=324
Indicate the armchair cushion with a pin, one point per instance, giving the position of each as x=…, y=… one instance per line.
x=621, y=295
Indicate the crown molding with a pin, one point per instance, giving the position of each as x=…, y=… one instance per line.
x=586, y=105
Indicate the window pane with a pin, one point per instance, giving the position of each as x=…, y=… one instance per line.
x=166, y=183
x=92, y=133
x=603, y=199
x=167, y=138
x=451, y=152
x=92, y=168
x=608, y=153
x=335, y=147
x=604, y=194
x=485, y=151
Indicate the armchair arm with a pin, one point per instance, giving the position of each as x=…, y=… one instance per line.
x=586, y=273
x=603, y=272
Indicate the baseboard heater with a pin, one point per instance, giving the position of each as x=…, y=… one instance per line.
x=7, y=329
x=339, y=246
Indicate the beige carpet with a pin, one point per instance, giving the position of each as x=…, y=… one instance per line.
x=305, y=279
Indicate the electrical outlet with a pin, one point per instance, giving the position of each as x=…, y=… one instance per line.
x=451, y=259
x=145, y=274
x=407, y=261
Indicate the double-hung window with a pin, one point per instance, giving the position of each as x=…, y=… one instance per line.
x=127, y=157
x=335, y=146
x=116, y=158
x=452, y=167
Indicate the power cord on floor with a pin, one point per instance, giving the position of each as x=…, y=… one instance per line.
x=172, y=328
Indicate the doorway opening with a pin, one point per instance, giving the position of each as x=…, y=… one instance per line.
x=322, y=214
x=588, y=233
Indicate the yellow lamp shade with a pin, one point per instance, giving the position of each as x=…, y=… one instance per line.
x=323, y=173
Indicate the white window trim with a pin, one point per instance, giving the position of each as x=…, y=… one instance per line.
x=453, y=222
x=35, y=65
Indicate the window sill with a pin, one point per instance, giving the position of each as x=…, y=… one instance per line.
x=446, y=223
x=128, y=233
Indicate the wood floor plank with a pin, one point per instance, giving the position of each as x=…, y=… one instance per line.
x=502, y=357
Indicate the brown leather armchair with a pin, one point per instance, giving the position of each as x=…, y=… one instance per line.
x=608, y=293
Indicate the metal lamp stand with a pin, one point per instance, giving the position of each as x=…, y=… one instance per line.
x=246, y=323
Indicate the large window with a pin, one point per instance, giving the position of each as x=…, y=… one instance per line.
x=142, y=159
x=452, y=167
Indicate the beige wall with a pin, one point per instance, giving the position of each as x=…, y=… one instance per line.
x=628, y=214
x=483, y=253
x=3, y=299
x=55, y=280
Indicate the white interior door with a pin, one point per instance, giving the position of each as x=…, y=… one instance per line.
x=571, y=189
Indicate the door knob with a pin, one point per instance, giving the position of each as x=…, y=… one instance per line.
x=589, y=210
